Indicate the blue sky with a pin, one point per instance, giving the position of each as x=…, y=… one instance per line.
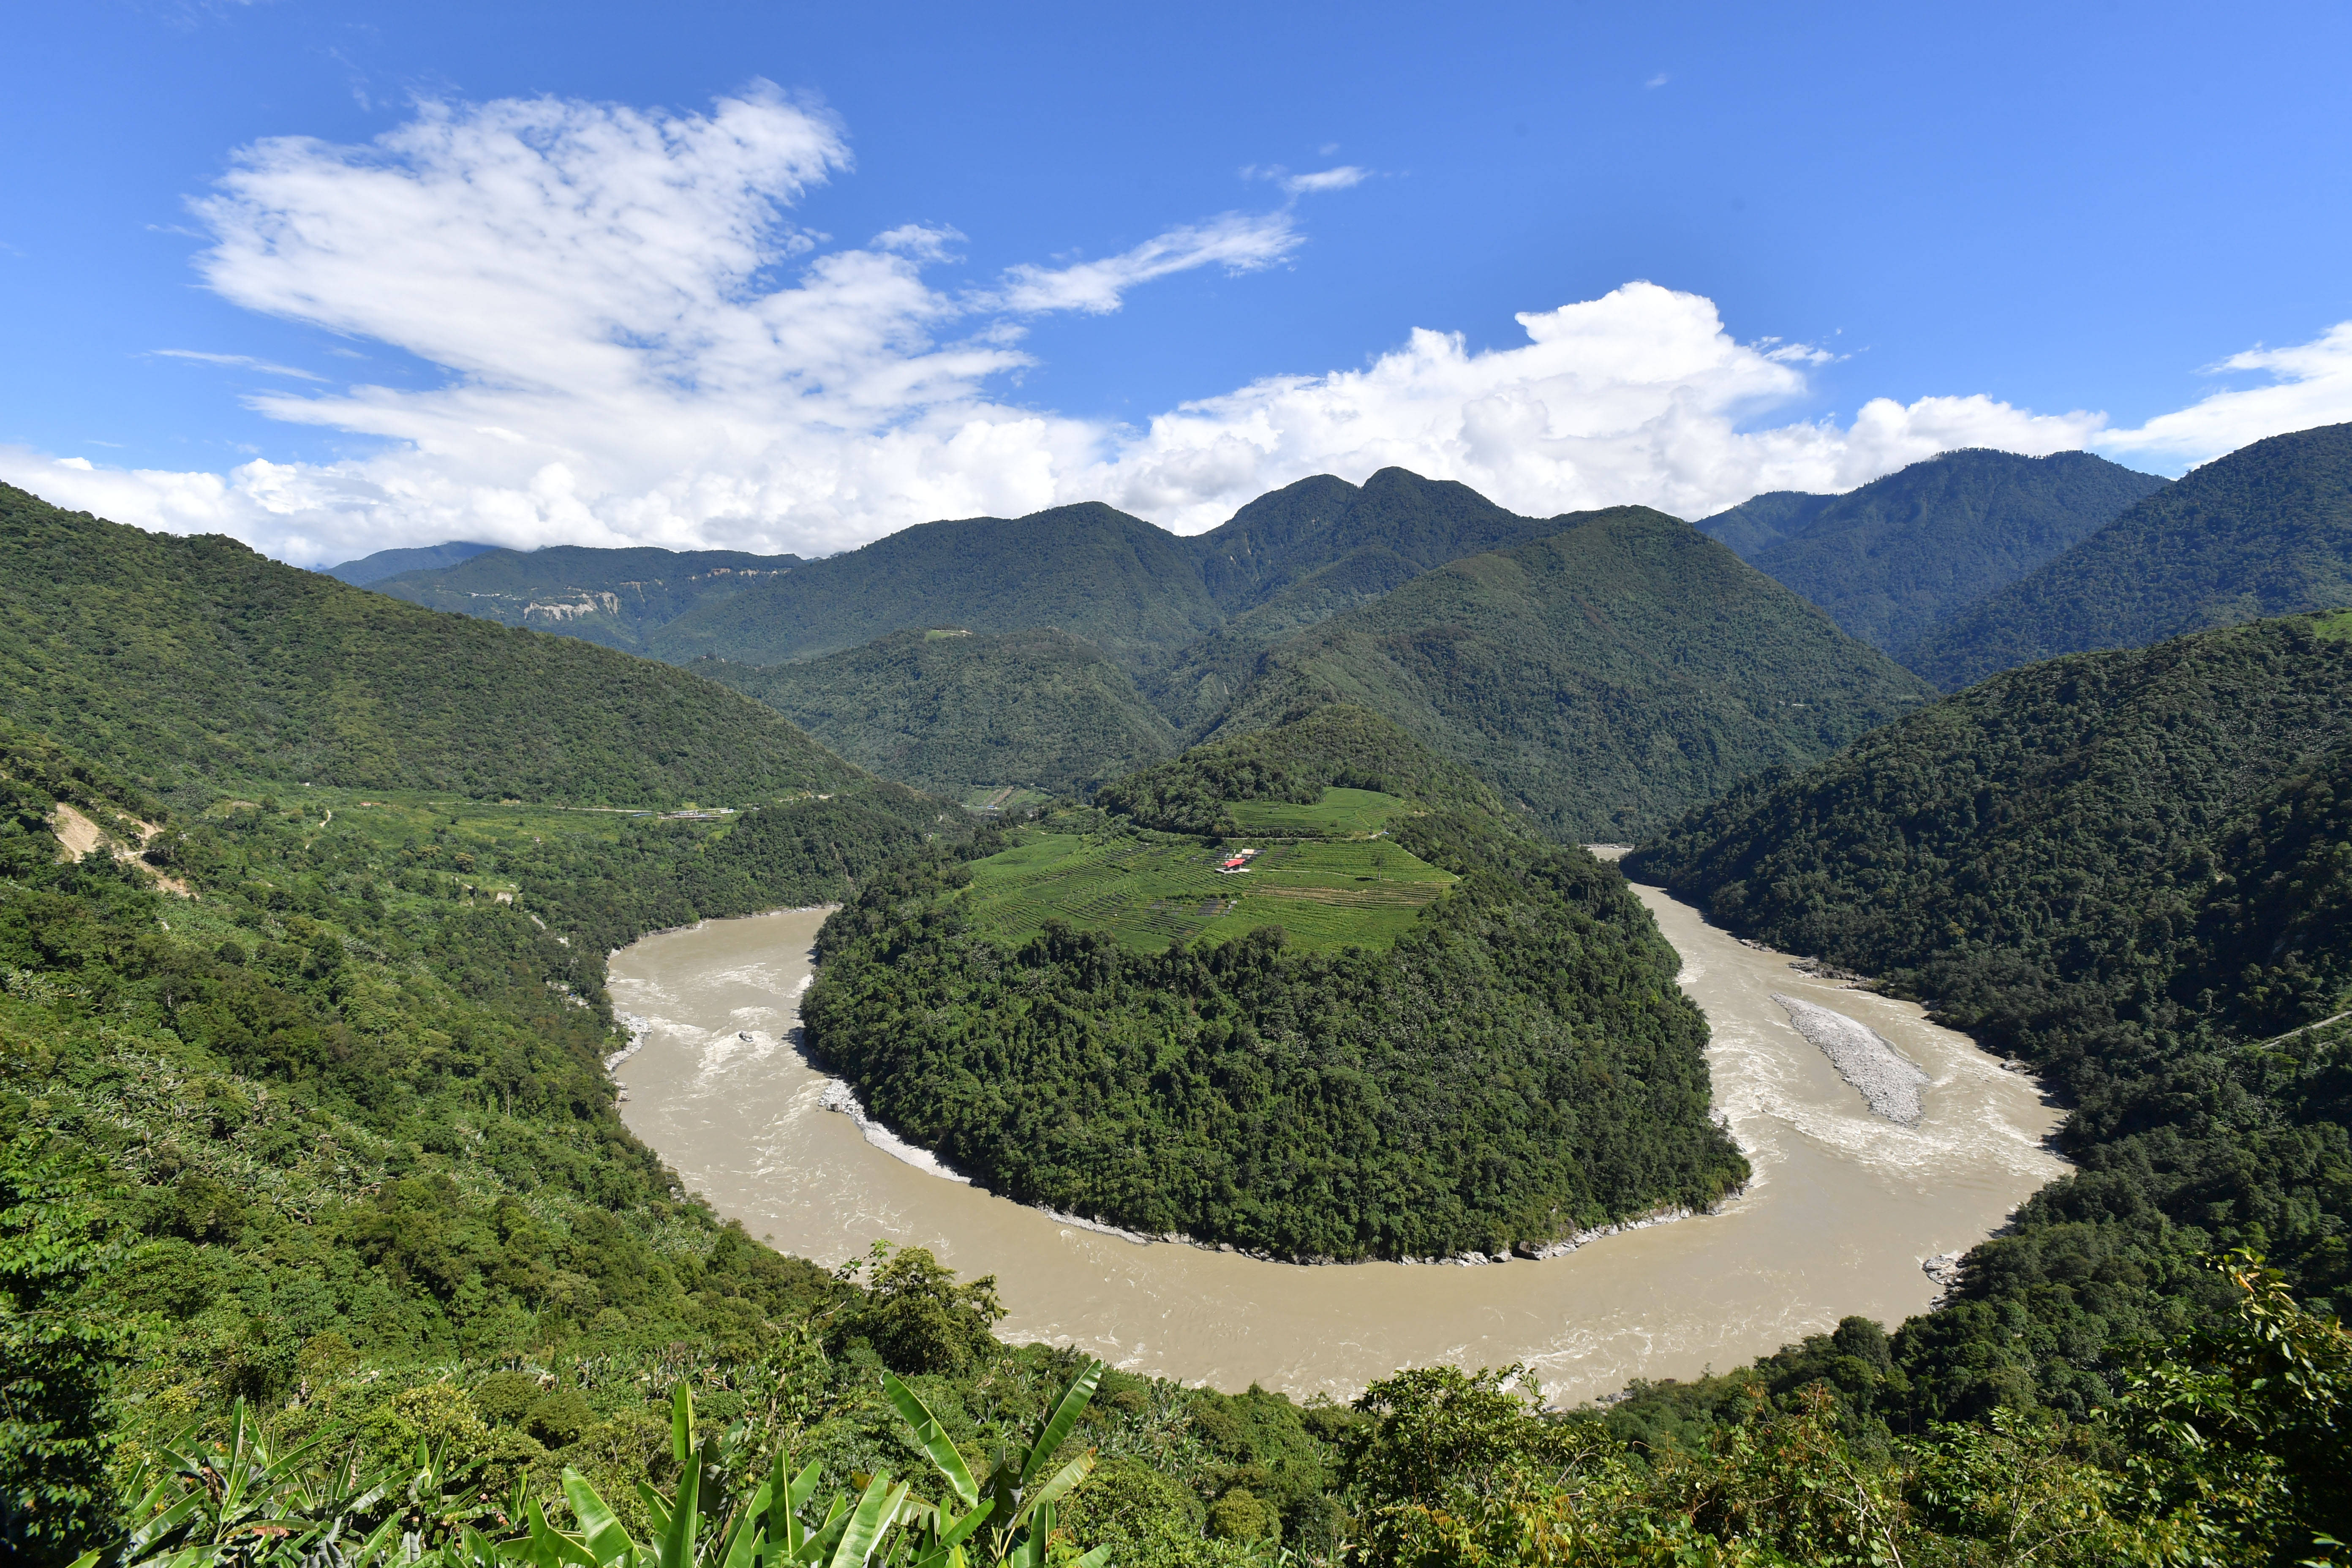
x=605, y=274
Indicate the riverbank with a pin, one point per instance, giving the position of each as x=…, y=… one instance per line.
x=1841, y=1213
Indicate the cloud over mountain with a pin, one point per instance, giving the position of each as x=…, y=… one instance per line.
x=627, y=337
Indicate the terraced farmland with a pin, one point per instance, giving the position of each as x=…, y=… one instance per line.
x=1151, y=889
x=1340, y=813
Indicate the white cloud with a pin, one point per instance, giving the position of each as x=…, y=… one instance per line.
x=1239, y=242
x=1640, y=395
x=638, y=345
x=244, y=360
x=1658, y=81
x=2311, y=383
x=1337, y=179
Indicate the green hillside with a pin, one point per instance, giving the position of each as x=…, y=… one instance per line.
x=1126, y=588
x=1214, y=788
x=183, y=659
x=955, y=711
x=2267, y=530
x=1292, y=533
x=616, y=598
x=2130, y=869
x=1758, y=520
x=1475, y=1043
x=1601, y=680
x=1899, y=556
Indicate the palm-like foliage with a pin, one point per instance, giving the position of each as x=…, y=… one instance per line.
x=240, y=1505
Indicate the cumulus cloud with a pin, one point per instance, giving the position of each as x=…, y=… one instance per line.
x=1641, y=395
x=637, y=341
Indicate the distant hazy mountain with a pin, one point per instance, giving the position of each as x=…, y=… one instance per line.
x=1603, y=679
x=616, y=598
x=1137, y=592
x=186, y=656
x=951, y=711
x=1126, y=588
x=2267, y=530
x=1904, y=553
x=376, y=568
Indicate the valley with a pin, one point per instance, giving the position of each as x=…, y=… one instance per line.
x=418, y=1028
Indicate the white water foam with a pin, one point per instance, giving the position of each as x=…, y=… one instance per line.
x=839, y=1096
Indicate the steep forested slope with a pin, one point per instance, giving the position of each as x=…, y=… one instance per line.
x=950, y=712
x=1602, y=678
x=1296, y=532
x=179, y=657
x=1126, y=588
x=2267, y=530
x=1902, y=555
x=1338, y=746
x=1518, y=1065
x=617, y=597
x=2130, y=869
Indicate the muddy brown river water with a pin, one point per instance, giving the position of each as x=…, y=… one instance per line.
x=1844, y=1209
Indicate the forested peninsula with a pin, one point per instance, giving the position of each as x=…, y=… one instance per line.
x=1518, y=1066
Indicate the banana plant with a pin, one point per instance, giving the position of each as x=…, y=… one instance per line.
x=1018, y=1498
x=770, y=1528
x=206, y=1503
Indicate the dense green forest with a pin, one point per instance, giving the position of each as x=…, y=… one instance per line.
x=616, y=598
x=1603, y=679
x=2130, y=869
x=1518, y=1067
x=185, y=659
x=1897, y=557
x=1339, y=744
x=951, y=711
x=2265, y=531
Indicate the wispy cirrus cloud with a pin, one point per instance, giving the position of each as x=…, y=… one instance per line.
x=1238, y=242
x=639, y=341
x=240, y=361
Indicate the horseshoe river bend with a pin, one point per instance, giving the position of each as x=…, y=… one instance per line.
x=1844, y=1210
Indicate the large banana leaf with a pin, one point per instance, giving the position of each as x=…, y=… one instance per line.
x=1073, y=1403
x=933, y=1437
x=599, y=1529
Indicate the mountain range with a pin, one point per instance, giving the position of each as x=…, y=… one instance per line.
x=1899, y=556
x=2264, y=530
x=617, y=597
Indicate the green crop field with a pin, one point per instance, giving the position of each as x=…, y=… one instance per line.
x=1152, y=889
x=1340, y=813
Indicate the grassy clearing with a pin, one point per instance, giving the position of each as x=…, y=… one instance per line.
x=2335, y=625
x=1003, y=798
x=1151, y=889
x=1340, y=813
x=442, y=846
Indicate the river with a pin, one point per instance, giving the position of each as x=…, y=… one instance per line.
x=1843, y=1208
